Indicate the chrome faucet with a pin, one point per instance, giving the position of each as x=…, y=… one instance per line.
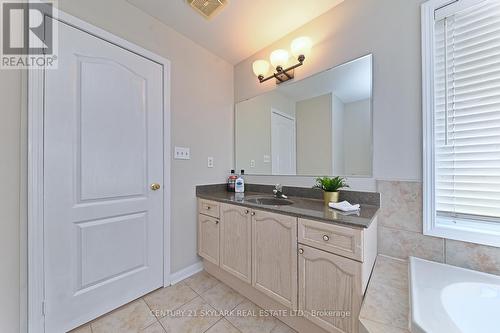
x=278, y=192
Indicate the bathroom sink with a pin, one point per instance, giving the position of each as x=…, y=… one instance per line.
x=270, y=201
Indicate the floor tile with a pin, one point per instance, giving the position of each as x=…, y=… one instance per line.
x=282, y=328
x=194, y=317
x=247, y=317
x=387, y=305
x=155, y=328
x=130, y=318
x=201, y=282
x=223, y=326
x=167, y=299
x=82, y=329
x=222, y=298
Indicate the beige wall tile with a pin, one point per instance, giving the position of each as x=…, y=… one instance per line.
x=401, y=206
x=402, y=244
x=473, y=256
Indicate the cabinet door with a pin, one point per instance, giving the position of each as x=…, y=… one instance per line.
x=236, y=236
x=274, y=260
x=208, y=238
x=329, y=288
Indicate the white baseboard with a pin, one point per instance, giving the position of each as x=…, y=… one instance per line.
x=186, y=272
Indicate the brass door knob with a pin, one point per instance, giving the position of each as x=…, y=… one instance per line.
x=155, y=186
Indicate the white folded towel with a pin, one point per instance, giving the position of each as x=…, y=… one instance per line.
x=344, y=206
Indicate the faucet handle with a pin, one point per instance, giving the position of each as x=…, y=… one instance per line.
x=278, y=187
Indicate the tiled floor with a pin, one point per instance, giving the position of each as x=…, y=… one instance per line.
x=198, y=304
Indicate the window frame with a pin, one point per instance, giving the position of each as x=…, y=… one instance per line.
x=468, y=230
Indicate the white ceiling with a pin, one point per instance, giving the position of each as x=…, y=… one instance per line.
x=242, y=28
x=350, y=82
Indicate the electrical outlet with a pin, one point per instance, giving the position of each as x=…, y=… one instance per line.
x=267, y=159
x=210, y=162
x=252, y=163
x=182, y=153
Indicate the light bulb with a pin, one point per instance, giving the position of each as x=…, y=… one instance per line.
x=301, y=46
x=279, y=58
x=260, y=67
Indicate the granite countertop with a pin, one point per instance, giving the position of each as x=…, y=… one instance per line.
x=306, y=204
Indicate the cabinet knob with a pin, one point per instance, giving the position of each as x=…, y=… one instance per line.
x=301, y=251
x=247, y=211
x=326, y=238
x=208, y=207
x=216, y=221
x=253, y=214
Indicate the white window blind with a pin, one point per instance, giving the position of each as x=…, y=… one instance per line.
x=467, y=113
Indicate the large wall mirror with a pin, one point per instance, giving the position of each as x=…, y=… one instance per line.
x=319, y=126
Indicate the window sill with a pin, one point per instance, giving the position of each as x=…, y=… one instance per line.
x=471, y=231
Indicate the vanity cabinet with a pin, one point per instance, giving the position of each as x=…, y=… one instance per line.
x=236, y=241
x=284, y=262
x=330, y=289
x=274, y=259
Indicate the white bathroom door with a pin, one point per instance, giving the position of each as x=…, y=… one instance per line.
x=103, y=148
x=283, y=145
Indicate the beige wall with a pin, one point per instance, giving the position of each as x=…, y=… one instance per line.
x=390, y=29
x=313, y=119
x=202, y=118
x=10, y=164
x=337, y=136
x=358, y=138
x=253, y=130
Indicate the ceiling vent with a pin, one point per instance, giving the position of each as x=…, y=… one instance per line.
x=207, y=8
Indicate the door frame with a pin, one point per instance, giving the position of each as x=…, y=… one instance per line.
x=36, y=282
x=288, y=116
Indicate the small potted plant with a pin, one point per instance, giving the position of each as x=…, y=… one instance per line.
x=330, y=187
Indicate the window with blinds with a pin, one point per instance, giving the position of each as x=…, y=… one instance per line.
x=466, y=115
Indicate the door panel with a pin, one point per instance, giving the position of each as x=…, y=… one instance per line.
x=330, y=285
x=274, y=260
x=107, y=121
x=208, y=238
x=103, y=146
x=236, y=241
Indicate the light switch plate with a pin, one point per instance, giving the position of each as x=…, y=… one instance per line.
x=182, y=153
x=210, y=162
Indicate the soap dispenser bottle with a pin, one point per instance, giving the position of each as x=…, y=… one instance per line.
x=239, y=187
x=231, y=181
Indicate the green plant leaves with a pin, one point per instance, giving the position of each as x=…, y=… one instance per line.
x=329, y=184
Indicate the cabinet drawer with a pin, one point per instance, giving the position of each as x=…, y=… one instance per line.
x=207, y=207
x=336, y=239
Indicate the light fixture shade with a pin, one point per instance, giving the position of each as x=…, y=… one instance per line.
x=260, y=67
x=279, y=58
x=301, y=46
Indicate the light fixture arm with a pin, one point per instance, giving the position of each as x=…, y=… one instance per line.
x=281, y=74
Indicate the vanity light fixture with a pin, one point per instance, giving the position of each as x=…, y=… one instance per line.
x=301, y=47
